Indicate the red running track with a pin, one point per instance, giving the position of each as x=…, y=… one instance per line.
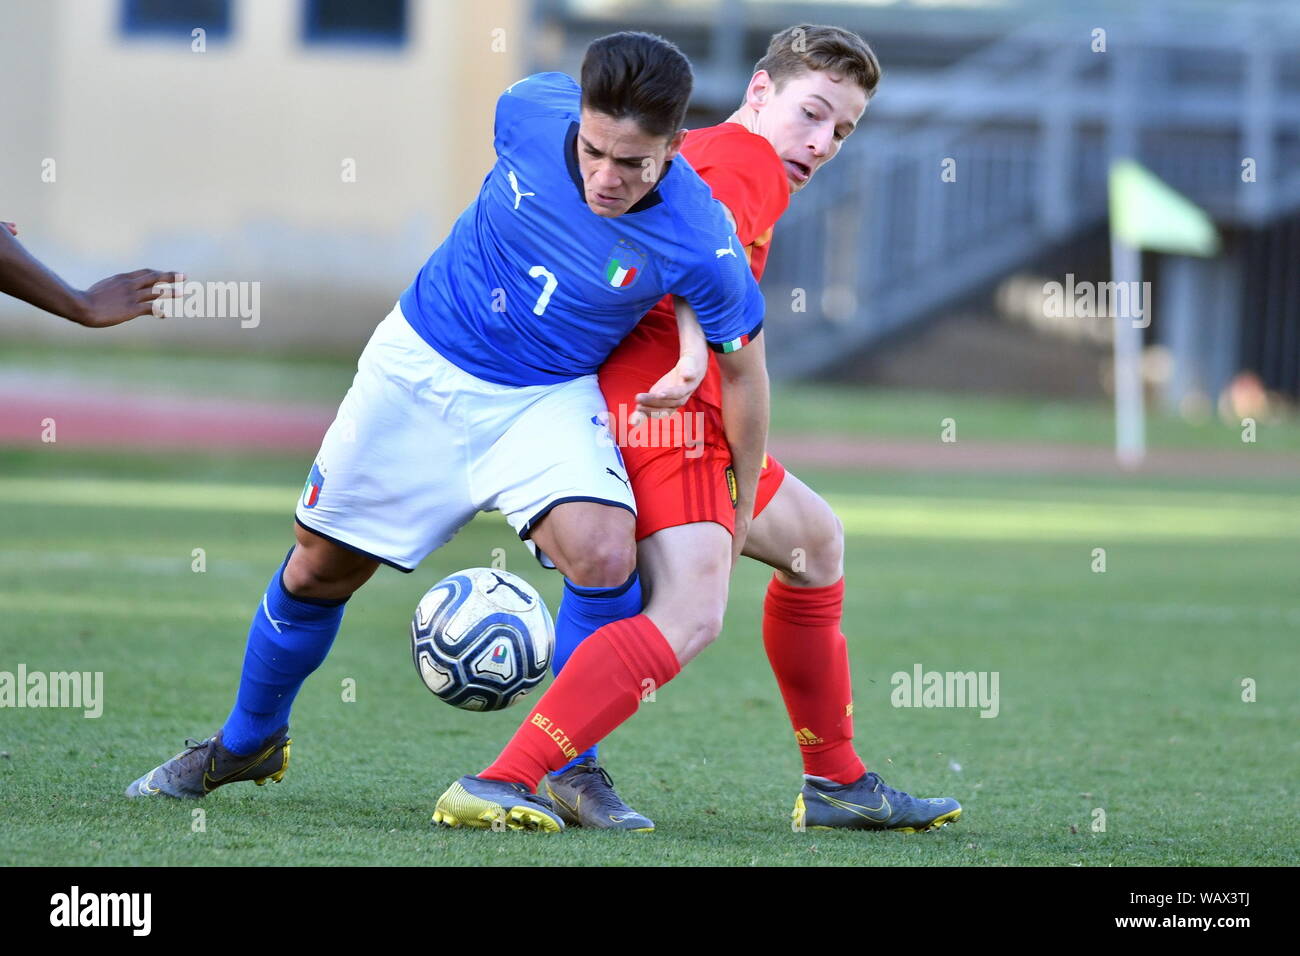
x=103, y=419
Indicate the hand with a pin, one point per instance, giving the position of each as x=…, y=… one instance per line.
x=12, y=227
x=669, y=393
x=123, y=297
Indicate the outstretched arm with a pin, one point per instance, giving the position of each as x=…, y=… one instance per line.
x=108, y=302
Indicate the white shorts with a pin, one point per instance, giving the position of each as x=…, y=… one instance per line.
x=420, y=446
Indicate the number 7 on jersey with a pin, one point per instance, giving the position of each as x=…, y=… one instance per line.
x=544, y=299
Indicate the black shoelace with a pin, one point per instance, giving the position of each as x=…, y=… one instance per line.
x=608, y=797
x=186, y=757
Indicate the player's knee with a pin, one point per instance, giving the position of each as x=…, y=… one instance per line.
x=689, y=614
x=701, y=630
x=602, y=564
x=834, y=549
x=821, y=562
x=710, y=626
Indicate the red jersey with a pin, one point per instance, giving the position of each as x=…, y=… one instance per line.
x=747, y=177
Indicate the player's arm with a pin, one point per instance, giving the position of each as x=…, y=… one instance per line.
x=728, y=305
x=108, y=302
x=679, y=384
x=673, y=390
x=746, y=402
x=730, y=309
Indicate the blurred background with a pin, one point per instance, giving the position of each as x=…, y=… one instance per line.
x=322, y=148
x=962, y=427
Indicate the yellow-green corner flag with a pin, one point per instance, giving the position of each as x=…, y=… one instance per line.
x=1148, y=214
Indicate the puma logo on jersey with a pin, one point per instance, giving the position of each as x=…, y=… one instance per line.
x=618, y=476
x=727, y=251
x=514, y=185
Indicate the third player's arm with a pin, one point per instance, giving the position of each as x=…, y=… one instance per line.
x=745, y=406
x=109, y=302
x=24, y=277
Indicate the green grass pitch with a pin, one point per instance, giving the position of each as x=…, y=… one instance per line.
x=1119, y=691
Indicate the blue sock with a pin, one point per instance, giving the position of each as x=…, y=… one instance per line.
x=583, y=611
x=288, y=639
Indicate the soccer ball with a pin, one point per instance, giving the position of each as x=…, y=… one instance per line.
x=481, y=639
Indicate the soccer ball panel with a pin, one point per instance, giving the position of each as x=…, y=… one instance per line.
x=436, y=678
x=499, y=658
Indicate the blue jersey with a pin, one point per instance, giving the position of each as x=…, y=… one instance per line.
x=531, y=287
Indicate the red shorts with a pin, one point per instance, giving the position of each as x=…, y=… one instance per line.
x=680, y=466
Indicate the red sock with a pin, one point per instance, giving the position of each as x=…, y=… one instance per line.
x=601, y=686
x=808, y=653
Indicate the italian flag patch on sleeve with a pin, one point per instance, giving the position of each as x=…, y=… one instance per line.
x=735, y=345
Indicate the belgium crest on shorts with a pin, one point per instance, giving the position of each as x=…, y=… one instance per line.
x=625, y=263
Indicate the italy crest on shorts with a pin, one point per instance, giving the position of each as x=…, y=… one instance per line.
x=311, y=491
x=625, y=263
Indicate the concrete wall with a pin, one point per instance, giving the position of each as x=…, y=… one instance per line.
x=228, y=164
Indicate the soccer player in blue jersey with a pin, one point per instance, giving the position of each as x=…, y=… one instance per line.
x=478, y=392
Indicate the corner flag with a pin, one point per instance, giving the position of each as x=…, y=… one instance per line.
x=1148, y=214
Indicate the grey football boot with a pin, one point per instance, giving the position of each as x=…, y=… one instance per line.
x=584, y=796
x=869, y=804
x=205, y=765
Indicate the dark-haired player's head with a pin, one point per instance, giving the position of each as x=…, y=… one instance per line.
x=635, y=89
x=808, y=93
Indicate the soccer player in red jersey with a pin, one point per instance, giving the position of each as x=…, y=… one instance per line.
x=697, y=508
